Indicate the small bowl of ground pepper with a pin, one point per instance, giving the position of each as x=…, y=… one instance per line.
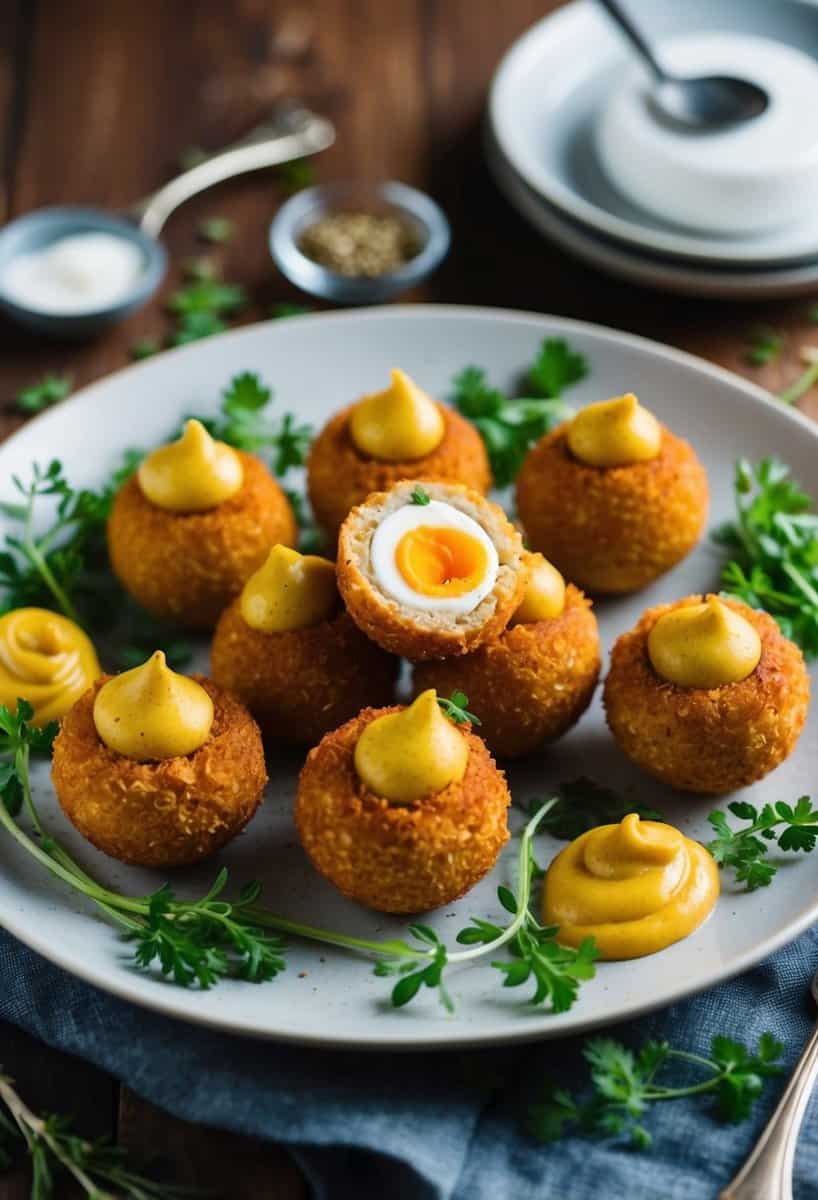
x=358, y=244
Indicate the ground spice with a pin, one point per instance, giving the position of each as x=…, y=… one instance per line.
x=360, y=244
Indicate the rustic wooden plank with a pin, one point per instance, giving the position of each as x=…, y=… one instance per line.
x=231, y=1167
x=50, y=1081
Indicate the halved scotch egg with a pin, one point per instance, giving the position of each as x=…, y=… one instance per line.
x=430, y=570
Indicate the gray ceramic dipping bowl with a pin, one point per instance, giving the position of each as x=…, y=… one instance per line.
x=40, y=228
x=417, y=209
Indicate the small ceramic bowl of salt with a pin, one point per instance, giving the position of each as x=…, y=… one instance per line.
x=71, y=272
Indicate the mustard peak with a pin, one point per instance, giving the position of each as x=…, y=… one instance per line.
x=704, y=645
x=193, y=473
x=544, y=595
x=416, y=752
x=46, y=659
x=399, y=423
x=614, y=433
x=289, y=591
x=151, y=712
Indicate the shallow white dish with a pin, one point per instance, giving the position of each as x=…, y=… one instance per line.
x=554, y=81
x=328, y=997
x=650, y=270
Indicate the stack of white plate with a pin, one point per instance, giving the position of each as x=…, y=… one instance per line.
x=545, y=108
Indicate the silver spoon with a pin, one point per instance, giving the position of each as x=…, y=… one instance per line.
x=703, y=103
x=767, y=1173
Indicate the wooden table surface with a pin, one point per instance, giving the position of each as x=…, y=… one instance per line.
x=99, y=100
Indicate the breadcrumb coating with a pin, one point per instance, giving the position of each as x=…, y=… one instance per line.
x=187, y=567
x=160, y=814
x=710, y=741
x=612, y=529
x=414, y=633
x=339, y=476
x=529, y=685
x=399, y=858
x=301, y=684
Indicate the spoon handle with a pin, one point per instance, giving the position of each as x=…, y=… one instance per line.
x=301, y=133
x=627, y=26
x=767, y=1173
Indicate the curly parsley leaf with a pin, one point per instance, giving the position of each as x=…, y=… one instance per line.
x=744, y=850
x=624, y=1084
x=583, y=804
x=509, y=427
x=773, y=543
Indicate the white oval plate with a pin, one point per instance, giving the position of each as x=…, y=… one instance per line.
x=326, y=996
x=551, y=83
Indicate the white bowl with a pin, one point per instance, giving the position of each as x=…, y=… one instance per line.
x=748, y=178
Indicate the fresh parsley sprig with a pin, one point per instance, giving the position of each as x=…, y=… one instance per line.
x=509, y=427
x=744, y=850
x=56, y=1152
x=624, y=1085
x=774, y=546
x=583, y=804
x=420, y=496
x=197, y=943
x=764, y=346
x=242, y=422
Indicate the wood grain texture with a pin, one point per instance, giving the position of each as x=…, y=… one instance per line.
x=98, y=100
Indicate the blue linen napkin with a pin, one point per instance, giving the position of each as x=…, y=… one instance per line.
x=432, y=1126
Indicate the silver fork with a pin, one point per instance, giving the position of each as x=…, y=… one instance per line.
x=767, y=1173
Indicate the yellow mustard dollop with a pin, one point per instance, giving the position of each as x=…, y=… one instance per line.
x=152, y=712
x=191, y=474
x=413, y=753
x=634, y=887
x=289, y=591
x=399, y=423
x=45, y=659
x=544, y=595
x=704, y=645
x=614, y=433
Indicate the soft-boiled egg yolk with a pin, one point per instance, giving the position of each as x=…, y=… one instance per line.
x=434, y=557
x=441, y=562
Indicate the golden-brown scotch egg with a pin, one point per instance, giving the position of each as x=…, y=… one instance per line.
x=192, y=524
x=430, y=570
x=715, y=737
x=612, y=498
x=400, y=433
x=421, y=849
x=187, y=775
x=532, y=682
x=289, y=651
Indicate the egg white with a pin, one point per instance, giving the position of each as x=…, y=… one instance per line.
x=437, y=515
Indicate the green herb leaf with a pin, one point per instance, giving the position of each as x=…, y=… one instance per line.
x=773, y=544
x=584, y=804
x=556, y=367
x=283, y=310
x=217, y=230
x=765, y=345
x=456, y=709
x=745, y=850
x=295, y=175
x=509, y=427
x=39, y=396
x=145, y=348
x=420, y=496
x=625, y=1084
